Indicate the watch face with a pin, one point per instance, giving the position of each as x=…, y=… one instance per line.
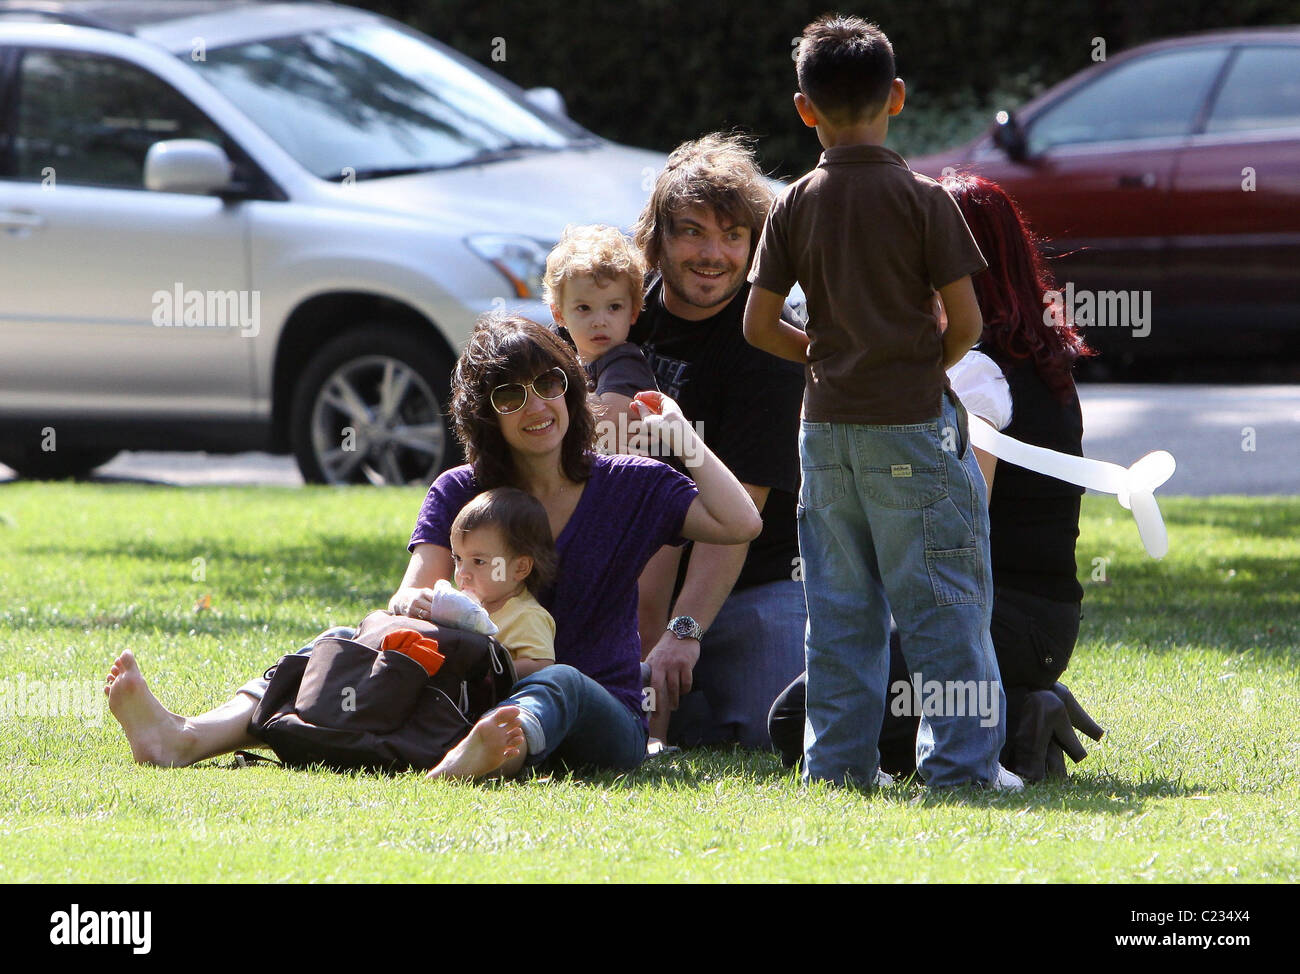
x=684, y=627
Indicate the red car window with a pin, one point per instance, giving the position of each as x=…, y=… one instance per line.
x=1262, y=91
x=1154, y=96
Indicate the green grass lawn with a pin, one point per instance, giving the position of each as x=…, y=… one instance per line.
x=1190, y=663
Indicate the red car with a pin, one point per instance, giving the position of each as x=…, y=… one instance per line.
x=1169, y=178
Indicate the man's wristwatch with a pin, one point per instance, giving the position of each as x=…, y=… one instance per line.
x=684, y=627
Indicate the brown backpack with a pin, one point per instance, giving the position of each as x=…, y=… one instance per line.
x=352, y=705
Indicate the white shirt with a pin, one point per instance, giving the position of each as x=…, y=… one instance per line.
x=982, y=388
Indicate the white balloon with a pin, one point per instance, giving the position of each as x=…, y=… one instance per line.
x=1151, y=526
x=1134, y=488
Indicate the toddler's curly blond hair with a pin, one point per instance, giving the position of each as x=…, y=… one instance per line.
x=594, y=251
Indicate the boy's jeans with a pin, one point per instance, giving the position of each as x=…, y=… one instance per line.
x=889, y=518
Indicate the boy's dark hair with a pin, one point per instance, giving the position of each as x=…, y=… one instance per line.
x=845, y=68
x=717, y=172
x=524, y=526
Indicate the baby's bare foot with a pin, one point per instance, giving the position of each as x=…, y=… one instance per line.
x=496, y=740
x=156, y=735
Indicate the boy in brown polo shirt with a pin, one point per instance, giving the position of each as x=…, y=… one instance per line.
x=892, y=504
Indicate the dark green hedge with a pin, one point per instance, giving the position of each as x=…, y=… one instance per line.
x=652, y=72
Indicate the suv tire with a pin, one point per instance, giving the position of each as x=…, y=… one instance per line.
x=366, y=410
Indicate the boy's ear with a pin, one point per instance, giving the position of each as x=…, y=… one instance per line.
x=807, y=111
x=558, y=315
x=897, y=95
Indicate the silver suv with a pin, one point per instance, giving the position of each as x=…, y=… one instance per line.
x=237, y=225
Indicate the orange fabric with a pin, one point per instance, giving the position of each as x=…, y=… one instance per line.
x=410, y=643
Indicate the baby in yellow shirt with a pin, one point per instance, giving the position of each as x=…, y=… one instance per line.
x=503, y=553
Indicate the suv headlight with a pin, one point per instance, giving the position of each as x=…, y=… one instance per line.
x=521, y=260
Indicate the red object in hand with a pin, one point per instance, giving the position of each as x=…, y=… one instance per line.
x=654, y=401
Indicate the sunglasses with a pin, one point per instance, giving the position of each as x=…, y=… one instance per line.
x=510, y=397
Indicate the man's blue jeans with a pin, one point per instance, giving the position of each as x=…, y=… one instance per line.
x=750, y=654
x=895, y=517
x=571, y=719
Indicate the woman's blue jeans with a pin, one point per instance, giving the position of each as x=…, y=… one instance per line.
x=895, y=517
x=571, y=719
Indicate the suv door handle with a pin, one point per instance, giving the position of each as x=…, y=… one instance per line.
x=13, y=220
x=1146, y=180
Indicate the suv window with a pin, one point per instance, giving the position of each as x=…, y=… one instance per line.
x=1262, y=92
x=1150, y=97
x=91, y=119
x=374, y=101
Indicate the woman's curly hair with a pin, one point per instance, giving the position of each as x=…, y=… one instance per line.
x=508, y=348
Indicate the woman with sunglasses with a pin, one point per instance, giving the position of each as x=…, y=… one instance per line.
x=519, y=402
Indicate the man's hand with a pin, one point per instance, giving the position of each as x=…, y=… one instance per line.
x=672, y=662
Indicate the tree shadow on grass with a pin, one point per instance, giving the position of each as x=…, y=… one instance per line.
x=1226, y=599
x=1098, y=794
x=1259, y=517
x=329, y=570
x=1232, y=607
x=707, y=768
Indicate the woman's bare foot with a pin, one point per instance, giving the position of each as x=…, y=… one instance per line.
x=156, y=735
x=495, y=743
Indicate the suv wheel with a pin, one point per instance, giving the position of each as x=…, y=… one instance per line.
x=366, y=411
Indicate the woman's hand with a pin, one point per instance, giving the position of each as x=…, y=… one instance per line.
x=662, y=433
x=413, y=602
x=723, y=513
x=428, y=565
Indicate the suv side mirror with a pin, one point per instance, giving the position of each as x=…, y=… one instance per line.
x=548, y=100
x=186, y=166
x=1010, y=137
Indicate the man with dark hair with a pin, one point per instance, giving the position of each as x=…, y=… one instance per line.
x=735, y=639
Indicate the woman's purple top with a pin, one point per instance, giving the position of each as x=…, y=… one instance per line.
x=631, y=507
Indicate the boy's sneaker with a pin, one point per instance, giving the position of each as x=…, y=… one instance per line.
x=1007, y=781
x=883, y=779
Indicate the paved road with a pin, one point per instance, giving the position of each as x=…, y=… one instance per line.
x=1227, y=439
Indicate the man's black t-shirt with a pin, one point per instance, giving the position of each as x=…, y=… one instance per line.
x=747, y=403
